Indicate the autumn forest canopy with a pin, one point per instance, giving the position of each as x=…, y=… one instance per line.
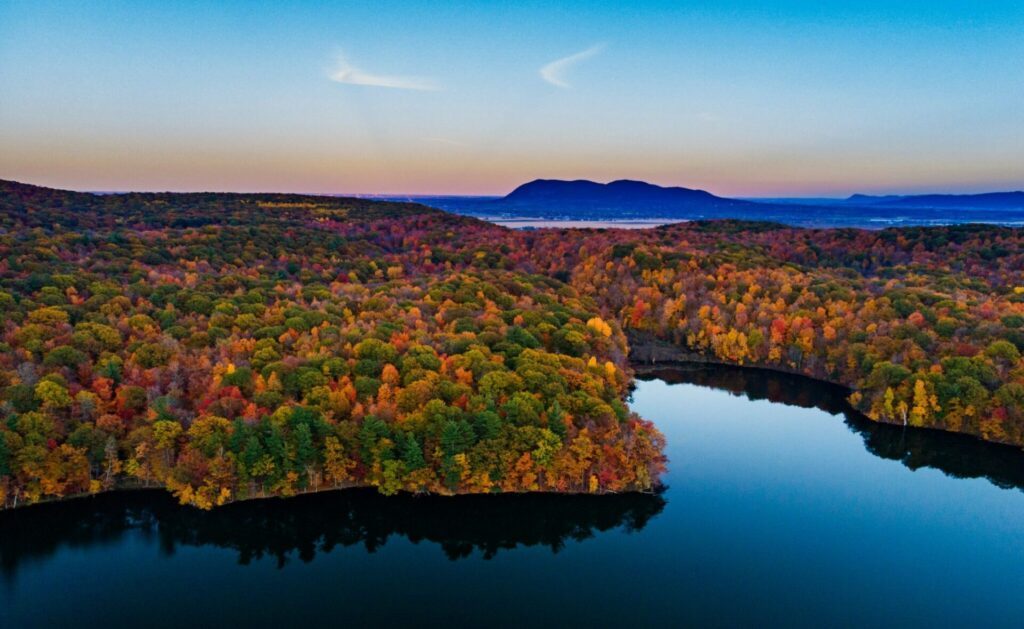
x=231, y=346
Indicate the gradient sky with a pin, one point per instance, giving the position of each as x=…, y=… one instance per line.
x=740, y=98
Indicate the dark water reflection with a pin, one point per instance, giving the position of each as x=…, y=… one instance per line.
x=959, y=456
x=304, y=526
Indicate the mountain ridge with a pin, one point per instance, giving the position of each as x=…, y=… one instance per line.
x=584, y=192
x=1007, y=199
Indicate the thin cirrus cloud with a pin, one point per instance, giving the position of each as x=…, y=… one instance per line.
x=554, y=72
x=345, y=72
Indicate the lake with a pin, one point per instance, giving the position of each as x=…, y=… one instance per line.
x=796, y=212
x=544, y=223
x=781, y=507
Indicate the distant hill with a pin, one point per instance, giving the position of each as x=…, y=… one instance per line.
x=623, y=190
x=871, y=199
x=625, y=200
x=38, y=205
x=624, y=197
x=988, y=200
x=18, y=194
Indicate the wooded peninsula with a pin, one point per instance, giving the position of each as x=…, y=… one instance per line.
x=234, y=346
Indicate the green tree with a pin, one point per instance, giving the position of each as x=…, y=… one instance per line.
x=52, y=395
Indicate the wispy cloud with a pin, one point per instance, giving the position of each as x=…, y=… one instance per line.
x=345, y=72
x=554, y=72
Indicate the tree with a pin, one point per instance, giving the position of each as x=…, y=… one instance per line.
x=52, y=395
x=305, y=452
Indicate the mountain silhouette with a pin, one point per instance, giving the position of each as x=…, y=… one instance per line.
x=987, y=200
x=627, y=195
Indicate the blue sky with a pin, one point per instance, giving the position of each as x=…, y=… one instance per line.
x=743, y=98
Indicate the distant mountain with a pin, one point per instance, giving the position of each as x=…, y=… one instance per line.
x=988, y=200
x=630, y=197
x=625, y=200
x=871, y=199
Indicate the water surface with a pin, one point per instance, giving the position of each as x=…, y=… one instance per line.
x=781, y=508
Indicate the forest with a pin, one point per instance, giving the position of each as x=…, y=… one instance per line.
x=230, y=347
x=234, y=346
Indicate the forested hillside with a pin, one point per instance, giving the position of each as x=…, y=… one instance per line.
x=926, y=325
x=230, y=346
x=235, y=346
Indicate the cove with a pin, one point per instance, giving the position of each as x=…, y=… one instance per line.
x=781, y=507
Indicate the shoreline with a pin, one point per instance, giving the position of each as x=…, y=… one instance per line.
x=132, y=488
x=662, y=355
x=654, y=355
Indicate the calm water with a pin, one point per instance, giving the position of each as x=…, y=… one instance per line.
x=780, y=509
x=805, y=213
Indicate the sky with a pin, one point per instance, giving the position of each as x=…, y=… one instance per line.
x=778, y=98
